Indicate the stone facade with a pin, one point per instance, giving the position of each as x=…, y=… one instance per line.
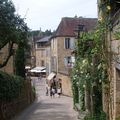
x=41, y=57
x=54, y=55
x=63, y=53
x=62, y=46
x=43, y=53
x=9, y=67
x=66, y=84
x=111, y=95
x=58, y=54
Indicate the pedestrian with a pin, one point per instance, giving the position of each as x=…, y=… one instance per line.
x=59, y=91
x=52, y=92
x=54, y=84
x=39, y=77
x=47, y=89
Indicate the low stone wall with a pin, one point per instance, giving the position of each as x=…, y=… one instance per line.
x=10, y=109
x=66, y=84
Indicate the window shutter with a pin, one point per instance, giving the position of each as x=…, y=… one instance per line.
x=73, y=59
x=65, y=61
x=72, y=43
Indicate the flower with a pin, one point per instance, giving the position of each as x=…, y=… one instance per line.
x=99, y=66
x=100, y=81
x=100, y=19
x=83, y=86
x=108, y=7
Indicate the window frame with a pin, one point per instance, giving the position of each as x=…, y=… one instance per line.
x=67, y=43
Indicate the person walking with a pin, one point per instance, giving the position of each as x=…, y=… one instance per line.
x=47, y=89
x=59, y=92
x=52, y=92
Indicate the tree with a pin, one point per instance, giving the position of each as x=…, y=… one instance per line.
x=13, y=29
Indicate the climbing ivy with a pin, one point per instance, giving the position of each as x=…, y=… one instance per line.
x=92, y=65
x=90, y=68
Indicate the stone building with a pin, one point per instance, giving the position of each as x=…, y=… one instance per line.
x=110, y=10
x=9, y=67
x=62, y=46
x=42, y=53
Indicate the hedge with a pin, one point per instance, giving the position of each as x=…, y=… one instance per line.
x=10, y=86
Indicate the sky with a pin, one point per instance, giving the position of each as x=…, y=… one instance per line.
x=47, y=14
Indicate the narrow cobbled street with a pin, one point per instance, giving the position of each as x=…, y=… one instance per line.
x=46, y=108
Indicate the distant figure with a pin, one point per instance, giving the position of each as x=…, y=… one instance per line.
x=47, y=89
x=52, y=92
x=59, y=91
x=54, y=84
x=39, y=77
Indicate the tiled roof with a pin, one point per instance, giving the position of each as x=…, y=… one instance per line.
x=68, y=25
x=44, y=39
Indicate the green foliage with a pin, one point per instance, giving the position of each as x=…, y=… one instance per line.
x=34, y=91
x=40, y=33
x=13, y=29
x=10, y=86
x=92, y=62
x=100, y=116
x=20, y=62
x=118, y=118
x=117, y=35
x=90, y=66
x=12, y=26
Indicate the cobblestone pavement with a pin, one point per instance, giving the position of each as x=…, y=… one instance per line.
x=46, y=108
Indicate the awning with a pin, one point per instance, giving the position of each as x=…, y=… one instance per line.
x=27, y=67
x=38, y=69
x=50, y=76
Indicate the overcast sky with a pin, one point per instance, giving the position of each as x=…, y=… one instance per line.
x=46, y=14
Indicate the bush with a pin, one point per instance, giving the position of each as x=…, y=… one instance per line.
x=100, y=116
x=10, y=86
x=118, y=118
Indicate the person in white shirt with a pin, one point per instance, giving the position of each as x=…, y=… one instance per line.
x=59, y=91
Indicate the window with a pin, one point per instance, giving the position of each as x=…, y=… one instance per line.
x=69, y=61
x=53, y=44
x=53, y=63
x=67, y=43
x=41, y=44
x=43, y=53
x=42, y=63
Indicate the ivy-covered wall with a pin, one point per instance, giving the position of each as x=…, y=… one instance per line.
x=93, y=77
x=90, y=70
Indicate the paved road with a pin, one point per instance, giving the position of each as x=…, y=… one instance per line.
x=46, y=108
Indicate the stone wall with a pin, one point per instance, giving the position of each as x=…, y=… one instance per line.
x=40, y=56
x=62, y=53
x=10, y=109
x=9, y=67
x=66, y=84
